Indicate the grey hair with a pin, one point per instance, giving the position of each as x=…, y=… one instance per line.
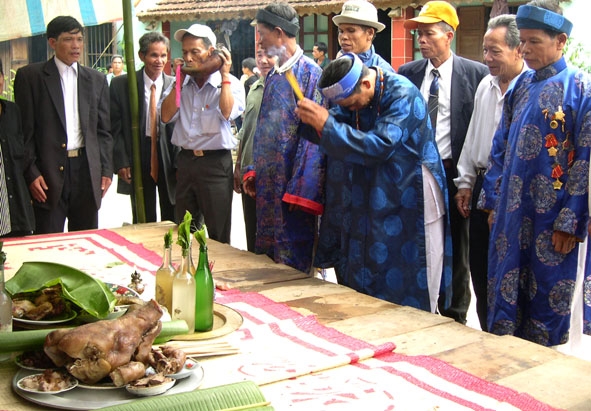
x=552, y=5
x=507, y=21
x=445, y=27
x=152, y=37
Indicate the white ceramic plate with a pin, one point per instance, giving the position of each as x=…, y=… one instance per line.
x=107, y=385
x=58, y=320
x=190, y=365
x=151, y=391
x=83, y=399
x=71, y=384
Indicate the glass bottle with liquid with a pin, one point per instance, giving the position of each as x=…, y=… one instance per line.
x=164, y=278
x=183, y=292
x=5, y=304
x=204, y=293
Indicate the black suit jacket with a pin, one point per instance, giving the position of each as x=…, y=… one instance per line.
x=22, y=218
x=121, y=129
x=466, y=76
x=38, y=93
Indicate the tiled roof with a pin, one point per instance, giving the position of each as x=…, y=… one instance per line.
x=182, y=10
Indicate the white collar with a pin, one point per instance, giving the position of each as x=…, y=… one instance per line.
x=291, y=61
x=148, y=81
x=62, y=67
x=445, y=69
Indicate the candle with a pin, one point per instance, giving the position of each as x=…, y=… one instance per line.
x=293, y=82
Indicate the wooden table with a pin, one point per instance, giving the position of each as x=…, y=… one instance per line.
x=549, y=376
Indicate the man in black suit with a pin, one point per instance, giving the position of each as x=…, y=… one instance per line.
x=153, y=52
x=16, y=211
x=457, y=79
x=68, y=143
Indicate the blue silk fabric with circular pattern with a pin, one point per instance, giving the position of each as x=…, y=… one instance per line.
x=382, y=233
x=531, y=286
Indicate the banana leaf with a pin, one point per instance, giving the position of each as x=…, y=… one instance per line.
x=245, y=395
x=88, y=293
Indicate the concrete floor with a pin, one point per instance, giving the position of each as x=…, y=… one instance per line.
x=116, y=211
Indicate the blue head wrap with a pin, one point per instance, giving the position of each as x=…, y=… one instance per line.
x=532, y=17
x=345, y=86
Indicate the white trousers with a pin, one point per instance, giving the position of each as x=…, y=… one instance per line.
x=434, y=209
x=579, y=344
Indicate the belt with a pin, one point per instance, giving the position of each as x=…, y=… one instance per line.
x=77, y=152
x=480, y=171
x=448, y=163
x=202, y=153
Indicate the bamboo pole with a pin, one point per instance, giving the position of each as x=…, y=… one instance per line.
x=136, y=168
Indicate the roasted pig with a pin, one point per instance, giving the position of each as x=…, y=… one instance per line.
x=92, y=351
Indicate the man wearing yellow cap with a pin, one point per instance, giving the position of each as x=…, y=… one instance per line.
x=536, y=189
x=448, y=82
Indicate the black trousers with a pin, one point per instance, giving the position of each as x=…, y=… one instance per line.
x=479, y=234
x=167, y=210
x=460, y=248
x=76, y=202
x=205, y=188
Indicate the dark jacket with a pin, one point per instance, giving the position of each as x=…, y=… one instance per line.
x=121, y=129
x=22, y=218
x=38, y=93
x=465, y=78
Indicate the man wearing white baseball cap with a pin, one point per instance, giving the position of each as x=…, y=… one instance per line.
x=210, y=99
x=358, y=25
x=448, y=82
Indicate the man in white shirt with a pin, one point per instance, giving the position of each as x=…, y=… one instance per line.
x=209, y=101
x=505, y=62
x=153, y=52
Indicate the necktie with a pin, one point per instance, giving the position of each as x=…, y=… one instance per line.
x=153, y=135
x=433, y=103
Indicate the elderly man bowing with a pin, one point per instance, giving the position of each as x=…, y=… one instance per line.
x=358, y=26
x=379, y=127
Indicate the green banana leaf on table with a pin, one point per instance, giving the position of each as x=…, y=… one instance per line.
x=88, y=293
x=245, y=395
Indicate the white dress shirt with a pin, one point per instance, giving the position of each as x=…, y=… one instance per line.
x=69, y=82
x=200, y=124
x=147, y=90
x=443, y=127
x=488, y=109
